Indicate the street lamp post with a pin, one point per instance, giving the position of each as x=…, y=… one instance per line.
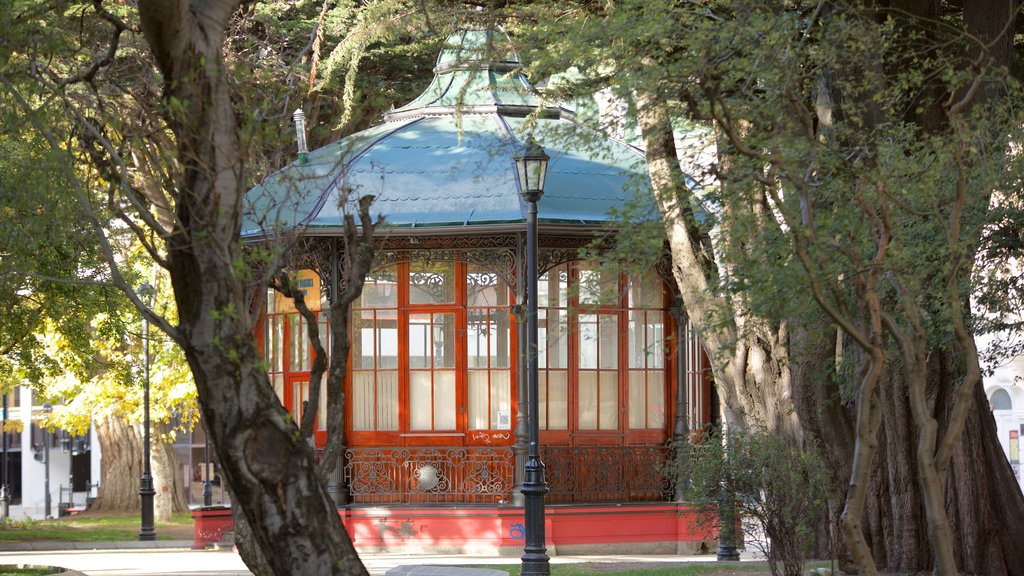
x=5, y=489
x=146, y=490
x=207, y=488
x=531, y=169
x=47, y=409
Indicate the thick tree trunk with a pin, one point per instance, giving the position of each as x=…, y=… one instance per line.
x=748, y=355
x=121, y=468
x=828, y=423
x=168, y=480
x=270, y=468
x=983, y=500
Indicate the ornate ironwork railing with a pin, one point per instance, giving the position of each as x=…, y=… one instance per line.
x=586, y=474
x=582, y=474
x=426, y=475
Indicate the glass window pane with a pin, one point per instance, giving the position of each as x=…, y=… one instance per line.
x=552, y=327
x=588, y=340
x=609, y=341
x=637, y=399
x=387, y=400
x=656, y=399
x=362, y=340
x=300, y=395
x=557, y=400
x=362, y=401
x=637, y=351
x=477, y=332
x=588, y=401
x=553, y=287
x=325, y=335
x=380, y=289
x=485, y=288
x=420, y=401
x=598, y=286
x=420, y=348
x=431, y=283
x=645, y=290
x=278, y=380
x=444, y=400
x=387, y=340
x=609, y=401
x=274, y=343
x=444, y=340
x=478, y=400
x=543, y=378
x=501, y=400
x=655, y=340
x=500, y=354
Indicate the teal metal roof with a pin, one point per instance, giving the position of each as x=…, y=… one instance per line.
x=446, y=159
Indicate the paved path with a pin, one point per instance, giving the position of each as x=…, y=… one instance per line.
x=116, y=559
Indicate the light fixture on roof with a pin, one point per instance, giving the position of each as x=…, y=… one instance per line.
x=299, y=117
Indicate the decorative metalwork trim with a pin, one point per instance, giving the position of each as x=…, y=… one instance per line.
x=584, y=474
x=421, y=475
x=606, y=474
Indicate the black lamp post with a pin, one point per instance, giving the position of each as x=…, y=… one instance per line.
x=531, y=169
x=67, y=444
x=207, y=488
x=5, y=489
x=146, y=490
x=47, y=512
x=727, y=509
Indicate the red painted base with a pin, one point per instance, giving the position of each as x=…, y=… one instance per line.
x=658, y=528
x=209, y=525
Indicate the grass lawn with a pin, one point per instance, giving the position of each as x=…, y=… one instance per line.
x=89, y=527
x=13, y=571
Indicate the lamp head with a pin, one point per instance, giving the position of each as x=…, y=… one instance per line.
x=531, y=169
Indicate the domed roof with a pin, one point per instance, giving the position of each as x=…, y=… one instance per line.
x=446, y=159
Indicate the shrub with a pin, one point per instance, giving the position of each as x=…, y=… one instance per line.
x=778, y=490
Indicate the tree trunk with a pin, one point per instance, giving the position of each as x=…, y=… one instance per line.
x=748, y=355
x=168, y=480
x=121, y=468
x=270, y=468
x=983, y=500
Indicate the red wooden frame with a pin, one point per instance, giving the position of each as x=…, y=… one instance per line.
x=461, y=434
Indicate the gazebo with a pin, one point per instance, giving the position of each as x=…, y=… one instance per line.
x=435, y=437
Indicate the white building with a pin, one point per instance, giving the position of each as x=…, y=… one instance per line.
x=27, y=468
x=1005, y=392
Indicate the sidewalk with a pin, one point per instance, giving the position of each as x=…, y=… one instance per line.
x=175, y=558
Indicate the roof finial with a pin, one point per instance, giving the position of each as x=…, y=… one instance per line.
x=299, y=117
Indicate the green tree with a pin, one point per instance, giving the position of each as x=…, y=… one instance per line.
x=900, y=109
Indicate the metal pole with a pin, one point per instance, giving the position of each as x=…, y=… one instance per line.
x=46, y=473
x=535, y=558
x=146, y=490
x=681, y=431
x=71, y=472
x=207, y=487
x=5, y=491
x=727, y=509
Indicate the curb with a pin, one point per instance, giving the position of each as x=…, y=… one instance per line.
x=127, y=545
